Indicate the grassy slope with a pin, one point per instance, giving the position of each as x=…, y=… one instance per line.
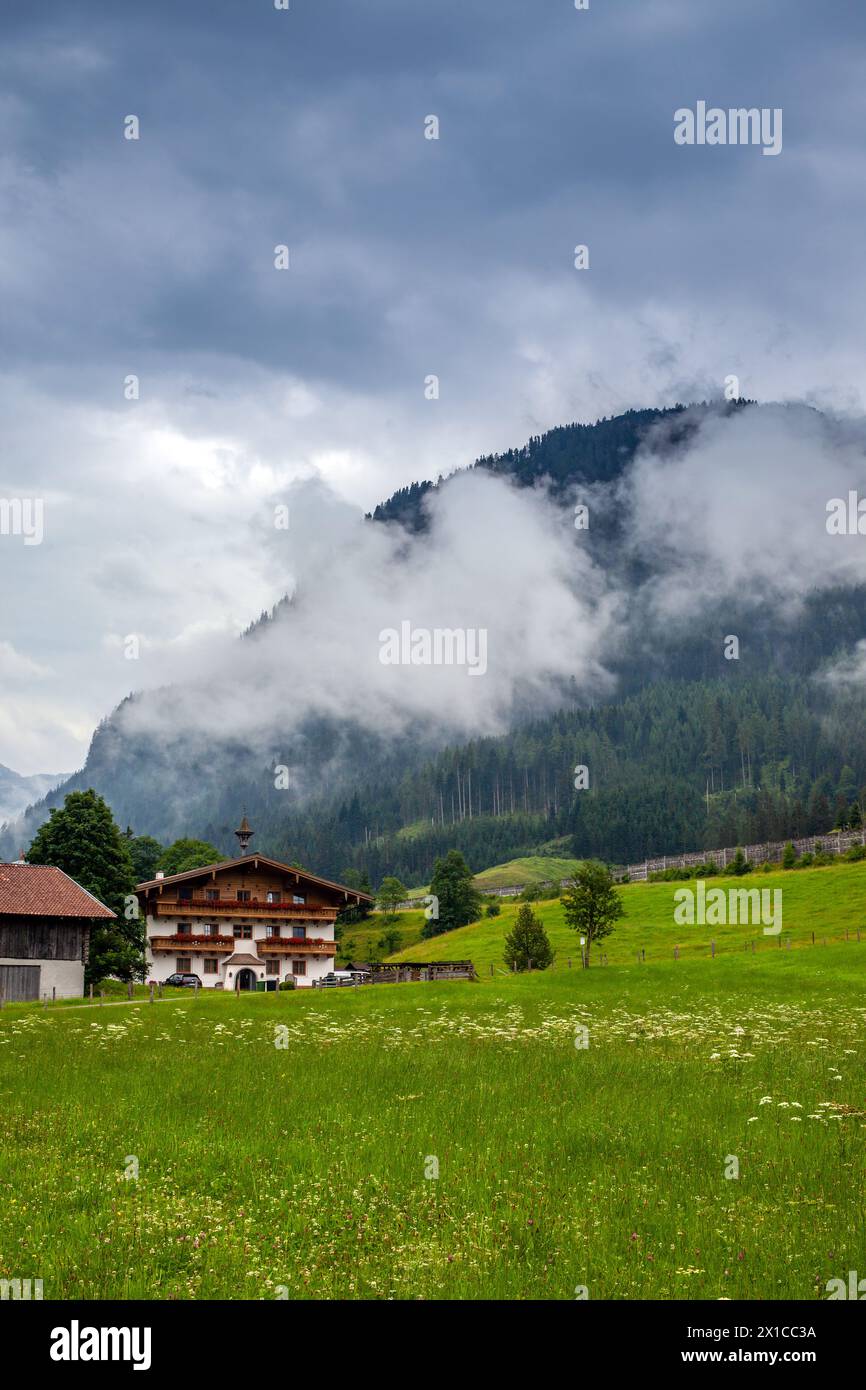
x=359, y=941
x=304, y=1166
x=826, y=901
x=527, y=872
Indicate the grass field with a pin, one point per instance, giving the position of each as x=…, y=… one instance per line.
x=827, y=901
x=306, y=1170
x=527, y=872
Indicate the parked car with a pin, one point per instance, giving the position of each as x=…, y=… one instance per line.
x=183, y=981
x=336, y=978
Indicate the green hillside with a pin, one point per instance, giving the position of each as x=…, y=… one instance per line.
x=527, y=872
x=827, y=901
x=360, y=943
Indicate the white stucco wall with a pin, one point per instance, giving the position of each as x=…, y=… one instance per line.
x=65, y=977
x=161, y=964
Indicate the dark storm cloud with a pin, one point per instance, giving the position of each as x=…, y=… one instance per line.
x=409, y=257
x=260, y=127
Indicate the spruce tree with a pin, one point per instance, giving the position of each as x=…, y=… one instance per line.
x=527, y=946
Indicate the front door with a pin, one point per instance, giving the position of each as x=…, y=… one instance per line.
x=246, y=979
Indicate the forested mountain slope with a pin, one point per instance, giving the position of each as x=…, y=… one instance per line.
x=687, y=750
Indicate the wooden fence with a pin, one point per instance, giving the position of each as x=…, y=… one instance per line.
x=832, y=842
x=769, y=851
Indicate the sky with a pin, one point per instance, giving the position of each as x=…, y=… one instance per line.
x=408, y=258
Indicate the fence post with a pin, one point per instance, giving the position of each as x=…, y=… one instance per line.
x=813, y=938
x=569, y=962
x=101, y=997
x=151, y=991
x=129, y=989
x=91, y=994
x=676, y=953
x=713, y=946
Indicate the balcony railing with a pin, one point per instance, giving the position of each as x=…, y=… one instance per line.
x=217, y=944
x=221, y=945
x=201, y=906
x=293, y=946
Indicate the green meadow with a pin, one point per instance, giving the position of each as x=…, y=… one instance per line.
x=674, y=1129
x=528, y=871
x=828, y=901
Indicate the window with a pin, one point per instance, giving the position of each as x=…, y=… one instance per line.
x=299, y=967
x=184, y=929
x=211, y=965
x=243, y=931
x=274, y=897
x=298, y=898
x=272, y=967
x=300, y=933
x=244, y=895
x=272, y=930
x=212, y=895
x=211, y=929
x=183, y=965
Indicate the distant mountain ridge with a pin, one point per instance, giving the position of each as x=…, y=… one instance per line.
x=569, y=455
x=17, y=792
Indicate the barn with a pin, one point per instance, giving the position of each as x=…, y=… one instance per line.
x=45, y=921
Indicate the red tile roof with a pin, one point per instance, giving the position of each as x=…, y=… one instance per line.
x=39, y=890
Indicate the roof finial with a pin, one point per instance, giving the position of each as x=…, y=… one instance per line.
x=244, y=833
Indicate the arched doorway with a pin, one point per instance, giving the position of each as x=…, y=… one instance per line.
x=246, y=979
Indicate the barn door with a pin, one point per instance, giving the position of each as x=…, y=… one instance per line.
x=19, y=982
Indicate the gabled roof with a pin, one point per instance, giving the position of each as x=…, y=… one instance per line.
x=40, y=890
x=245, y=861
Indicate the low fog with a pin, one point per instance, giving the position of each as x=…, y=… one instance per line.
x=740, y=512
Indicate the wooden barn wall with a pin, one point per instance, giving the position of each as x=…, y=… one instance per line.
x=42, y=938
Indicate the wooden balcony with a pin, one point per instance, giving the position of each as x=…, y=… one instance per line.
x=199, y=906
x=295, y=946
x=186, y=941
